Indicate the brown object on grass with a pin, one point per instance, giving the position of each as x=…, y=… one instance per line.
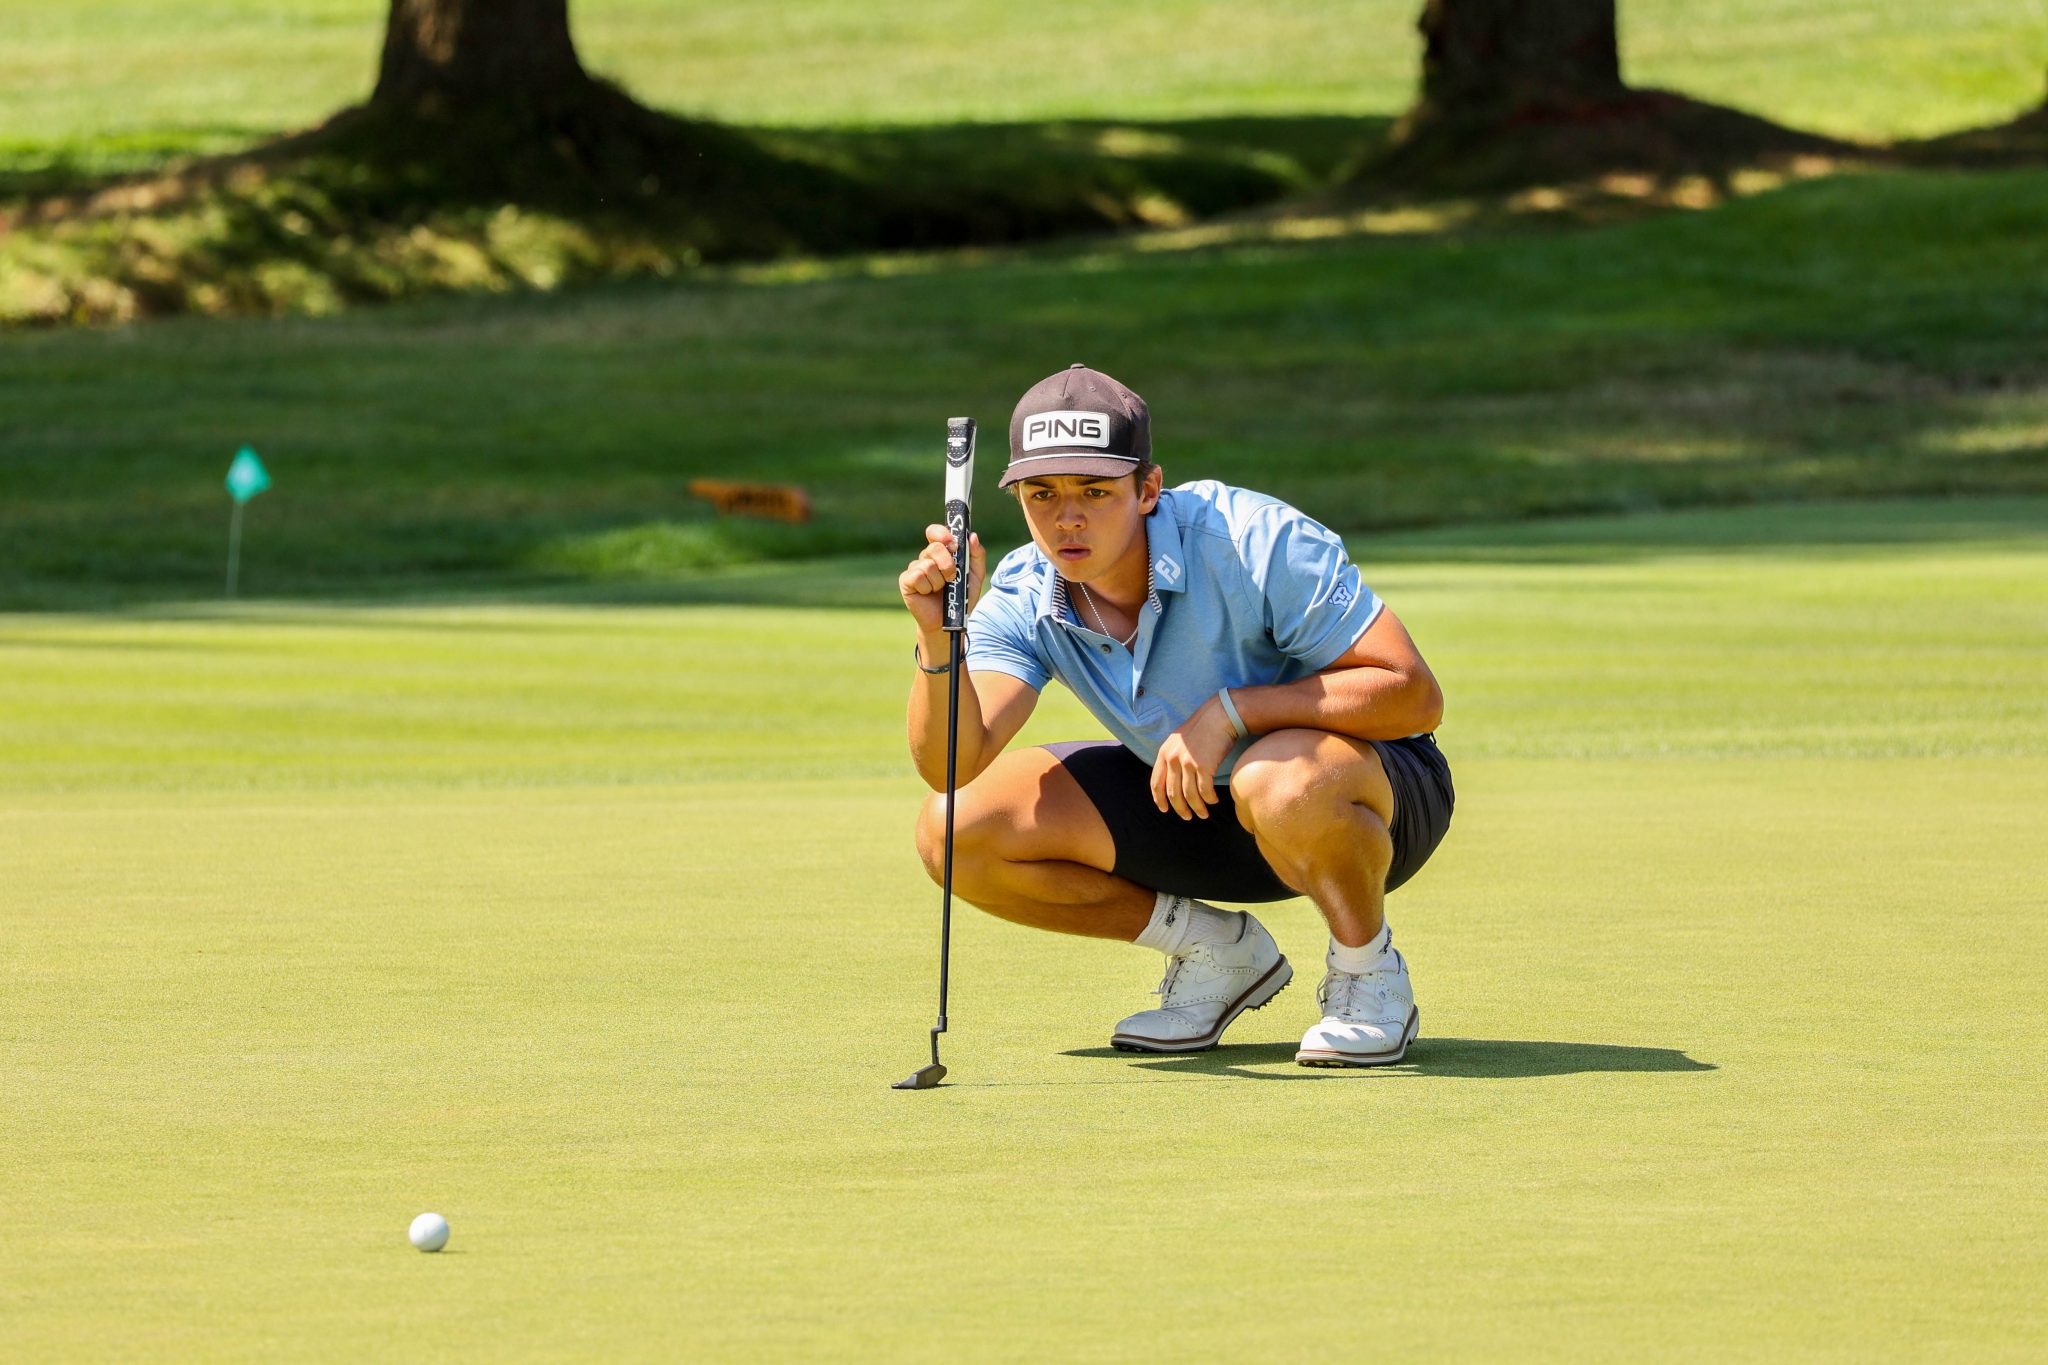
x=774, y=501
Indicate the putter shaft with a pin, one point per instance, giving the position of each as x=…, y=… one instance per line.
x=952, y=782
x=927, y=1077
x=958, y=597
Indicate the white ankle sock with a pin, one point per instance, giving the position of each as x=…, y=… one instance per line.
x=1355, y=960
x=1180, y=922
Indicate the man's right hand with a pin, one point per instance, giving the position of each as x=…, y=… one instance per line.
x=923, y=583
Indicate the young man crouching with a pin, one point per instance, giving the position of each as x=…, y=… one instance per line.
x=1271, y=723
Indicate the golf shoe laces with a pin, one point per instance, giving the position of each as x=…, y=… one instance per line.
x=1343, y=991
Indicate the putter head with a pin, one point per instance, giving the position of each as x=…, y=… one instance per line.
x=924, y=1078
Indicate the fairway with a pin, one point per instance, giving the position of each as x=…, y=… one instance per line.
x=597, y=928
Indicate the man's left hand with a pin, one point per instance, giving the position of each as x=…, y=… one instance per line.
x=1184, y=777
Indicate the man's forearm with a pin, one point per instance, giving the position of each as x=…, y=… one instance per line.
x=1363, y=702
x=927, y=715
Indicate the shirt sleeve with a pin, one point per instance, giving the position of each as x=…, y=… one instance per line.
x=999, y=632
x=1316, y=605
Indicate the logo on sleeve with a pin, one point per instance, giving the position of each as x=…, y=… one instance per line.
x=1341, y=598
x=1066, y=429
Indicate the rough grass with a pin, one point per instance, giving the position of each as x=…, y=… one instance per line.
x=318, y=917
x=883, y=121
x=1874, y=334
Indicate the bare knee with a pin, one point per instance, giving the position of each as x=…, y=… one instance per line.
x=1302, y=811
x=1280, y=794
x=976, y=833
x=931, y=834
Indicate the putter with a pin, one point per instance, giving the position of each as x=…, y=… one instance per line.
x=959, y=492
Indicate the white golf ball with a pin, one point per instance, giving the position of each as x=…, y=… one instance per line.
x=429, y=1232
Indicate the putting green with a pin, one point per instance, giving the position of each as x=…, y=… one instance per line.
x=597, y=929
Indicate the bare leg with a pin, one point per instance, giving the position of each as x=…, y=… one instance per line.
x=1029, y=846
x=1319, y=805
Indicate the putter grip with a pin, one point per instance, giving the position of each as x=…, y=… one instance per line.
x=959, y=518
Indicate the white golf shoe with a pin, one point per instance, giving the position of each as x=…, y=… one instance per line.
x=1369, y=1018
x=1205, y=988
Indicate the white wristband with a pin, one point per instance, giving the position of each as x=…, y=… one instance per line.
x=1230, y=710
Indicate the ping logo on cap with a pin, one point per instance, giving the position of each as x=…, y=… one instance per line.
x=1066, y=429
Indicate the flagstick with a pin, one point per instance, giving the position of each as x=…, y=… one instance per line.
x=234, y=547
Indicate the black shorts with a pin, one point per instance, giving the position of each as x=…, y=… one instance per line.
x=1217, y=858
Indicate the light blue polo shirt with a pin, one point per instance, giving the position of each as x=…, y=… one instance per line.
x=1245, y=591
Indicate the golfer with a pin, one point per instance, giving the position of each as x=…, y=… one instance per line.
x=1271, y=718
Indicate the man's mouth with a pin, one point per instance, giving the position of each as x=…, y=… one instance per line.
x=1072, y=552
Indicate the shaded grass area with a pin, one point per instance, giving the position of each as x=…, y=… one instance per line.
x=319, y=917
x=865, y=131
x=373, y=214
x=100, y=221
x=1873, y=334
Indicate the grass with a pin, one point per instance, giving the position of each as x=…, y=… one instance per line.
x=123, y=81
x=856, y=127
x=488, y=861
x=320, y=916
x=1874, y=334
x=369, y=223
x=1859, y=69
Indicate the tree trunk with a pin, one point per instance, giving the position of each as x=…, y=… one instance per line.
x=479, y=51
x=1491, y=60
x=1529, y=92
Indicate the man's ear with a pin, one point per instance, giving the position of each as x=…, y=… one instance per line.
x=1148, y=491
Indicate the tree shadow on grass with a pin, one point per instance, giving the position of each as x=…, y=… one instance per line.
x=1462, y=1058
x=387, y=201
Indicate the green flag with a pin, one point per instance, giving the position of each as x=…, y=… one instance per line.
x=246, y=476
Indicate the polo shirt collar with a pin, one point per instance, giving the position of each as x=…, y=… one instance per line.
x=1162, y=542
x=1052, y=593
x=1162, y=537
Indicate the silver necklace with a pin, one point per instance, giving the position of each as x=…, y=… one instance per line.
x=1088, y=600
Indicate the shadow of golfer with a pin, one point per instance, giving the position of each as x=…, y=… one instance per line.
x=1465, y=1058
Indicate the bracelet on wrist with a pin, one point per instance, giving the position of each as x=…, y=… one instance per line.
x=1230, y=713
x=917, y=656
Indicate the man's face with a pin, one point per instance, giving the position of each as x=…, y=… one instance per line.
x=1086, y=526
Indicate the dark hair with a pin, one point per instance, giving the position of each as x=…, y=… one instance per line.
x=1146, y=464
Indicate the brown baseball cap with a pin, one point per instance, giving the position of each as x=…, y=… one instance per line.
x=1079, y=421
